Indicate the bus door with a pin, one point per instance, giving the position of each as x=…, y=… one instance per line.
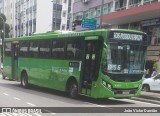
x=90, y=65
x=14, y=54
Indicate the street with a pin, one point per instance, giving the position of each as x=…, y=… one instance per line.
x=13, y=95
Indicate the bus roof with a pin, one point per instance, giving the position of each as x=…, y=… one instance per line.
x=59, y=34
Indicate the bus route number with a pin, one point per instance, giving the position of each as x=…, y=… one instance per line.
x=114, y=67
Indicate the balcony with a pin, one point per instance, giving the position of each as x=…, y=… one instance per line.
x=120, y=8
x=135, y=5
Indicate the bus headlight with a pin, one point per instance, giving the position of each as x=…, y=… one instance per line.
x=104, y=83
x=109, y=86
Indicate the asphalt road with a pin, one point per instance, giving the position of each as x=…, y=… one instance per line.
x=13, y=95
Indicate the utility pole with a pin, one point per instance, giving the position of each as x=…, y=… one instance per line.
x=102, y=2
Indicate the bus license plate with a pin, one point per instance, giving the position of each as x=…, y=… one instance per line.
x=125, y=92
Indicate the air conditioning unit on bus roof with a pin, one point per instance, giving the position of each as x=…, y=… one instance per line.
x=85, y=1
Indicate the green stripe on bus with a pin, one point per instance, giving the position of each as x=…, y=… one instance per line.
x=91, y=38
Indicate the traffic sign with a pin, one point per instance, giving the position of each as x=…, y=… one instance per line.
x=89, y=23
x=91, y=26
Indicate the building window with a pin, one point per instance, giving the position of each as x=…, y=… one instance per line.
x=56, y=1
x=78, y=15
x=64, y=13
x=107, y=8
x=57, y=14
x=63, y=27
x=98, y=11
x=86, y=14
x=77, y=0
x=134, y=3
x=120, y=5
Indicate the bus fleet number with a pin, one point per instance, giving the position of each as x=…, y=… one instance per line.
x=114, y=67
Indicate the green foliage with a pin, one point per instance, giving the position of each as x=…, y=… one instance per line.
x=7, y=28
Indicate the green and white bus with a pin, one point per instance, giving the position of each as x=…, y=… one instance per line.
x=96, y=63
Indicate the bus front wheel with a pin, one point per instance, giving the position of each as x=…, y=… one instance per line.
x=24, y=80
x=73, y=89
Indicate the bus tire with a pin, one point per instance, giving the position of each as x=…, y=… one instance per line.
x=146, y=88
x=3, y=77
x=24, y=80
x=73, y=89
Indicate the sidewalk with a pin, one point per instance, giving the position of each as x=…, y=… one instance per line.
x=151, y=97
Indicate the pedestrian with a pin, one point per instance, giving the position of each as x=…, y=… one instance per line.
x=154, y=73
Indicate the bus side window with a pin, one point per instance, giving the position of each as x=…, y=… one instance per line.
x=23, y=49
x=8, y=49
x=74, y=49
x=44, y=48
x=58, y=49
x=70, y=51
x=34, y=49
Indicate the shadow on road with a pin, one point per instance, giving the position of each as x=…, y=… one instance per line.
x=58, y=95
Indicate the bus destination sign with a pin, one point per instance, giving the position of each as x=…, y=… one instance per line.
x=127, y=36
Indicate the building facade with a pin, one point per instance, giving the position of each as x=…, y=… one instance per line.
x=92, y=9
x=1, y=6
x=26, y=17
x=62, y=12
x=128, y=14
x=10, y=14
x=32, y=16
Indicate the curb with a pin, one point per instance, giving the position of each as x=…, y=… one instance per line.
x=146, y=100
x=150, y=97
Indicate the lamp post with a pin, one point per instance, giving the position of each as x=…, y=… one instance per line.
x=1, y=46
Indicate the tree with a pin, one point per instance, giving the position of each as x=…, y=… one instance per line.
x=7, y=27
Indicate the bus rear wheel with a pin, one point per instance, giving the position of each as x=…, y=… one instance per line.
x=3, y=77
x=24, y=80
x=73, y=90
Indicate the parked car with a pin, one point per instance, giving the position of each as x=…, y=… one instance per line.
x=151, y=84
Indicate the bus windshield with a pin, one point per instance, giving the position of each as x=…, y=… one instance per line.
x=125, y=59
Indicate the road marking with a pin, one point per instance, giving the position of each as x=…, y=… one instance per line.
x=27, y=114
x=142, y=102
x=49, y=111
x=16, y=98
x=37, y=114
x=94, y=104
x=6, y=114
x=6, y=94
x=30, y=104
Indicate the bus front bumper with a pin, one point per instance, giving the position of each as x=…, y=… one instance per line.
x=108, y=91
